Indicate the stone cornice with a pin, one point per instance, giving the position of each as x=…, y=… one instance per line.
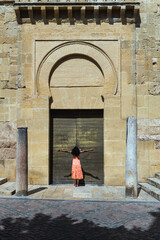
x=75, y=2
x=110, y=11
x=68, y=2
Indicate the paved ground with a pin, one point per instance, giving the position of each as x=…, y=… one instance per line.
x=26, y=219
x=88, y=192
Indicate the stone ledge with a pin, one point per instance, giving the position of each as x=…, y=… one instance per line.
x=8, y=189
x=97, y=11
x=111, y=2
x=2, y=2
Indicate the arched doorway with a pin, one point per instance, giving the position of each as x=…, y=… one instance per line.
x=76, y=75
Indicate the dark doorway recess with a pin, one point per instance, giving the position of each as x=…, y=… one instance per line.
x=83, y=128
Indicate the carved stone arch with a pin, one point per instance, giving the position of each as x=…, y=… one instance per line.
x=81, y=48
x=74, y=57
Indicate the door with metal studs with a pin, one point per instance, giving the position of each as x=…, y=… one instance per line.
x=82, y=128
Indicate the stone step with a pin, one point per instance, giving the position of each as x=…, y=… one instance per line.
x=8, y=188
x=3, y=180
x=157, y=175
x=153, y=191
x=154, y=182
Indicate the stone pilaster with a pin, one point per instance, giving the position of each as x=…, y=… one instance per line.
x=114, y=142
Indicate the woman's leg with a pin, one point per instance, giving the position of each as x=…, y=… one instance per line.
x=77, y=182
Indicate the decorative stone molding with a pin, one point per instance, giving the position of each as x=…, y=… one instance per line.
x=53, y=1
x=101, y=10
x=101, y=59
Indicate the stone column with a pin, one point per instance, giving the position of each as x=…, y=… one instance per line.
x=22, y=162
x=131, y=157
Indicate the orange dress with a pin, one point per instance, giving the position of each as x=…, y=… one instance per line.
x=76, y=169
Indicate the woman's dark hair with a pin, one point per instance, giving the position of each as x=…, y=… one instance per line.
x=75, y=151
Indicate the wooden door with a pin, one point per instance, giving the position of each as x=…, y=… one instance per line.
x=83, y=128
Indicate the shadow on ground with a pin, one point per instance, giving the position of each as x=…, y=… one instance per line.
x=36, y=190
x=44, y=227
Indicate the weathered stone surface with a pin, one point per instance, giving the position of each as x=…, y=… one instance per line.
x=120, y=60
x=7, y=153
x=7, y=131
x=149, y=129
x=7, y=141
x=157, y=144
x=7, y=144
x=155, y=89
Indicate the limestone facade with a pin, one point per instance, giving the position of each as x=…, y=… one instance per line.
x=80, y=55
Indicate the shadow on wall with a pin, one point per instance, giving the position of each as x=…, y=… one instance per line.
x=44, y=227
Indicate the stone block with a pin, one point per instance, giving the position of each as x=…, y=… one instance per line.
x=140, y=101
x=12, y=30
x=114, y=146
x=157, y=145
x=143, y=157
x=4, y=68
x=21, y=123
x=8, y=131
x=112, y=113
x=154, y=101
x=38, y=175
x=114, y=124
x=145, y=145
x=154, y=157
x=39, y=124
x=114, y=159
x=112, y=175
x=10, y=169
x=114, y=135
x=27, y=113
x=13, y=114
x=39, y=159
x=7, y=153
x=112, y=101
x=42, y=146
x=39, y=181
x=41, y=102
x=142, y=112
x=113, y=181
x=41, y=113
x=142, y=89
x=4, y=77
x=10, y=17
x=39, y=135
x=143, y=172
x=153, y=112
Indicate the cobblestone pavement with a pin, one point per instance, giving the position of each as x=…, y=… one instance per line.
x=26, y=219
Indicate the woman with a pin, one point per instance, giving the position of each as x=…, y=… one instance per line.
x=77, y=173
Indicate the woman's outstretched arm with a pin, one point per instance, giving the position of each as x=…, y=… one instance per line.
x=60, y=150
x=87, y=150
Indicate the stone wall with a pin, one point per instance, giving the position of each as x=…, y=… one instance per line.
x=136, y=57
x=148, y=95
x=7, y=150
x=8, y=89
